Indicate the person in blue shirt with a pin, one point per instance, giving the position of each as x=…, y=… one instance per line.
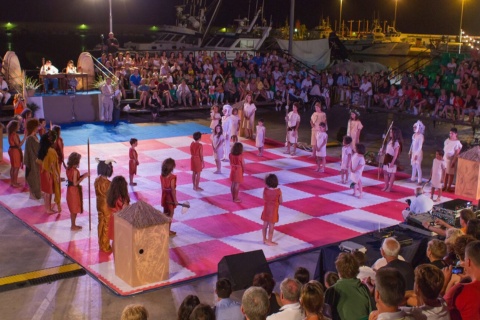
x=135, y=79
x=226, y=308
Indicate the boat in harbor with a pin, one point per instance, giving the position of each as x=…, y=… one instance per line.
x=376, y=42
x=192, y=32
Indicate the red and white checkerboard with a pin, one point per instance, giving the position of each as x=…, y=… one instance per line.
x=317, y=208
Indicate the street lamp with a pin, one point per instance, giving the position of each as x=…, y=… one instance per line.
x=461, y=21
x=111, y=22
x=395, y=16
x=340, y=20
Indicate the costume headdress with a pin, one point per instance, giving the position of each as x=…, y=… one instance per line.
x=420, y=127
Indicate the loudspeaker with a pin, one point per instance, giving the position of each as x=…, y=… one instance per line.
x=242, y=267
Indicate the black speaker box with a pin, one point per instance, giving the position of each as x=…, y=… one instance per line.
x=242, y=267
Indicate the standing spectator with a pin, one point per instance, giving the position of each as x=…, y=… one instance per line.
x=255, y=303
x=290, y=299
x=226, y=308
x=112, y=44
x=107, y=99
x=366, y=93
x=348, y=297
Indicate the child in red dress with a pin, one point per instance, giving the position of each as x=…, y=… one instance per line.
x=169, y=193
x=273, y=198
x=237, y=168
x=117, y=199
x=74, y=189
x=133, y=162
x=15, y=152
x=197, y=164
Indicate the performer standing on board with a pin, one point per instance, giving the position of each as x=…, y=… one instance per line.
x=416, y=152
x=392, y=151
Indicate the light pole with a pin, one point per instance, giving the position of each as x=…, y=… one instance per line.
x=395, y=15
x=461, y=21
x=340, y=20
x=110, y=7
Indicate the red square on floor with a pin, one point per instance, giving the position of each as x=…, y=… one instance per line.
x=317, y=232
x=317, y=187
x=258, y=167
x=85, y=251
x=225, y=201
x=249, y=182
x=223, y=225
x=316, y=207
x=186, y=165
x=398, y=192
x=310, y=171
x=202, y=258
x=253, y=156
x=391, y=209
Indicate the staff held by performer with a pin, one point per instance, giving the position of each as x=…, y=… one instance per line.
x=392, y=151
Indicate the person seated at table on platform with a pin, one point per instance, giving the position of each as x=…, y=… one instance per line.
x=49, y=69
x=71, y=81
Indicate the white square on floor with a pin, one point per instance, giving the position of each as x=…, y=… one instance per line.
x=359, y=220
x=187, y=235
x=346, y=197
x=162, y=154
x=59, y=231
x=285, y=176
x=366, y=182
x=176, y=142
x=286, y=215
x=210, y=188
x=288, y=194
x=253, y=241
x=287, y=164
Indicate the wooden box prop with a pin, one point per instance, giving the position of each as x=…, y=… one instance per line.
x=468, y=174
x=141, y=245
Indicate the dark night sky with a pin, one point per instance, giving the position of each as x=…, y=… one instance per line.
x=413, y=16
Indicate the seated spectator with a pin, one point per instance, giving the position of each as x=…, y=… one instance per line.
x=451, y=279
x=330, y=279
x=187, y=306
x=436, y=250
x=462, y=299
x=450, y=238
x=4, y=94
x=465, y=216
x=312, y=300
x=473, y=228
x=255, y=303
x=144, y=90
x=389, y=294
x=289, y=297
x=364, y=271
x=184, y=94
x=135, y=79
x=425, y=299
x=134, y=312
x=266, y=281
x=390, y=250
x=231, y=93
x=348, y=298
x=226, y=308
x=302, y=275
x=48, y=69
x=202, y=312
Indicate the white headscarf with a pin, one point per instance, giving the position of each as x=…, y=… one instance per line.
x=420, y=127
x=228, y=108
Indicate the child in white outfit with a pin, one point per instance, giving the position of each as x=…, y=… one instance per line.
x=260, y=137
x=438, y=173
x=346, y=161
x=358, y=164
x=321, y=152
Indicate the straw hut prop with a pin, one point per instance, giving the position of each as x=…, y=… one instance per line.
x=468, y=174
x=141, y=245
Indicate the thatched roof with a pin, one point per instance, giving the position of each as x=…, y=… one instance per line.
x=142, y=215
x=472, y=154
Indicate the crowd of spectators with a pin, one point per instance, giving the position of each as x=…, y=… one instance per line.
x=202, y=78
x=445, y=286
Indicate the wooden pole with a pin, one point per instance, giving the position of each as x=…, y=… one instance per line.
x=89, y=202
